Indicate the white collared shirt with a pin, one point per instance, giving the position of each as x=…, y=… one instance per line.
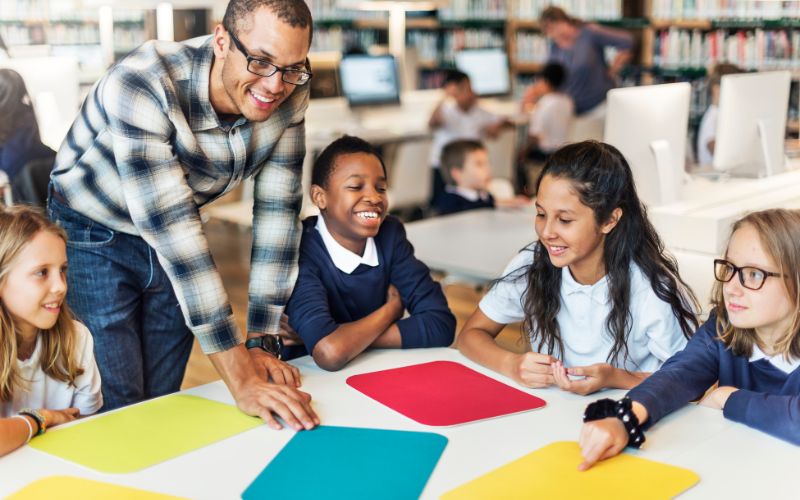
x=345, y=260
x=472, y=195
x=655, y=332
x=41, y=391
x=778, y=361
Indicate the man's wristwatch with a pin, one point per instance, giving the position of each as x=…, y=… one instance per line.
x=269, y=343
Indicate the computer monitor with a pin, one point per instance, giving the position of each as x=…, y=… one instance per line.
x=487, y=70
x=369, y=80
x=648, y=125
x=752, y=123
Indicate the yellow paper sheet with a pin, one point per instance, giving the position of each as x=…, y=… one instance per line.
x=75, y=488
x=551, y=472
x=146, y=434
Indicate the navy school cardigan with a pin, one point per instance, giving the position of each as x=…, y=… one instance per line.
x=325, y=297
x=768, y=399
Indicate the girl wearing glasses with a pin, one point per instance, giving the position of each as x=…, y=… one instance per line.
x=750, y=344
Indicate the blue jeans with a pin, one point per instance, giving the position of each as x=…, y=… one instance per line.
x=120, y=292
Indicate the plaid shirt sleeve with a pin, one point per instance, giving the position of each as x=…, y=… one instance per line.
x=162, y=206
x=276, y=226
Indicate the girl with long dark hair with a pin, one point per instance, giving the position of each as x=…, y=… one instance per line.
x=601, y=304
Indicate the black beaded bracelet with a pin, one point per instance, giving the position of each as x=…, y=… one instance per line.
x=622, y=410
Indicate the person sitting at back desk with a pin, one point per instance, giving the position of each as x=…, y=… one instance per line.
x=19, y=137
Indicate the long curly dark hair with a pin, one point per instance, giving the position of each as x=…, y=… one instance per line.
x=603, y=181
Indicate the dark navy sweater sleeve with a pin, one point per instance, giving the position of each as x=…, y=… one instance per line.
x=775, y=414
x=308, y=309
x=684, y=377
x=766, y=398
x=430, y=324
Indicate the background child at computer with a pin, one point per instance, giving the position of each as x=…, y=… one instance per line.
x=357, y=271
x=20, y=142
x=551, y=113
x=48, y=375
x=458, y=116
x=750, y=344
x=595, y=293
x=465, y=164
x=707, y=133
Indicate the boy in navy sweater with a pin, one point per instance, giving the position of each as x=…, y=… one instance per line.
x=750, y=344
x=467, y=171
x=357, y=271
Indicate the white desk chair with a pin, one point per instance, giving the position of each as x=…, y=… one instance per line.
x=409, y=174
x=503, y=154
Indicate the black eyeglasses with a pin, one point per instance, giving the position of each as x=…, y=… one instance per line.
x=750, y=277
x=262, y=67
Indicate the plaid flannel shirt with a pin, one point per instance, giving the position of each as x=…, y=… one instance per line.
x=148, y=150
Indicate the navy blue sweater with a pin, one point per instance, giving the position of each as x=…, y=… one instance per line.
x=325, y=297
x=768, y=399
x=450, y=203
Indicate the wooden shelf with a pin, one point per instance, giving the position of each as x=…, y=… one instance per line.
x=689, y=24
x=526, y=67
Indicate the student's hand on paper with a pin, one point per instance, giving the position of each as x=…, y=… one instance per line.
x=268, y=367
x=262, y=399
x=595, y=377
x=395, y=302
x=58, y=417
x=601, y=439
x=532, y=369
x=287, y=333
x=718, y=397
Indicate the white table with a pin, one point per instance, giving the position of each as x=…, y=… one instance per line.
x=475, y=245
x=732, y=460
x=696, y=228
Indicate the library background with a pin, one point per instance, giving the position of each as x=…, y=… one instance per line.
x=409, y=46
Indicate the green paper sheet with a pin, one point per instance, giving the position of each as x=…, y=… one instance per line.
x=146, y=434
x=350, y=463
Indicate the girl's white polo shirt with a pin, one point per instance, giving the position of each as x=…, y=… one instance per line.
x=655, y=333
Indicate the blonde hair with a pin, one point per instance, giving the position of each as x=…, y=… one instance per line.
x=779, y=232
x=18, y=226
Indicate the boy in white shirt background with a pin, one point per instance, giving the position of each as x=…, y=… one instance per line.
x=551, y=115
x=458, y=116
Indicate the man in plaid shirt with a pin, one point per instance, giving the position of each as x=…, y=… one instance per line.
x=167, y=130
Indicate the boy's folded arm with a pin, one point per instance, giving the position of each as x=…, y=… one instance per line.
x=349, y=340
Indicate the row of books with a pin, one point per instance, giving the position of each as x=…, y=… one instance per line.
x=473, y=9
x=531, y=47
x=749, y=49
x=342, y=39
x=58, y=34
x=426, y=43
x=725, y=9
x=582, y=9
x=322, y=10
x=478, y=38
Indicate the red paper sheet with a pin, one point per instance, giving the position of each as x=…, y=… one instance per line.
x=443, y=393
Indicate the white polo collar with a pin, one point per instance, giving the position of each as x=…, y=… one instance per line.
x=468, y=194
x=345, y=260
x=597, y=292
x=778, y=361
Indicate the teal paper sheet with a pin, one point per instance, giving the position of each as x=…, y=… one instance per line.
x=350, y=463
